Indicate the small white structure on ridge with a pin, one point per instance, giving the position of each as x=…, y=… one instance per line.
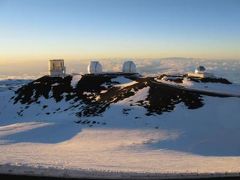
x=94, y=67
x=129, y=67
x=57, y=68
x=200, y=72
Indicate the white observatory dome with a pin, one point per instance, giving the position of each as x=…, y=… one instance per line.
x=201, y=72
x=94, y=67
x=200, y=69
x=129, y=67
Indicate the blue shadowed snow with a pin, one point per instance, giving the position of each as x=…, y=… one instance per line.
x=52, y=133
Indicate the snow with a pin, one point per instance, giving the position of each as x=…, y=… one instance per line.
x=139, y=96
x=19, y=127
x=127, y=144
x=204, y=140
x=123, y=81
x=55, y=84
x=12, y=84
x=88, y=93
x=126, y=84
x=103, y=91
x=225, y=89
x=75, y=80
x=213, y=87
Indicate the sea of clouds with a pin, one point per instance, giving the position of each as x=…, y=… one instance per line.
x=229, y=69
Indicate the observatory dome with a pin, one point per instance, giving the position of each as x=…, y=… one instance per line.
x=200, y=69
x=129, y=67
x=200, y=72
x=94, y=67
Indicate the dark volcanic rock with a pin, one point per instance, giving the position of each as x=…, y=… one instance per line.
x=41, y=88
x=113, y=95
x=95, y=93
x=164, y=98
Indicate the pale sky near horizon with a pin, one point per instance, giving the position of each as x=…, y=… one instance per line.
x=75, y=29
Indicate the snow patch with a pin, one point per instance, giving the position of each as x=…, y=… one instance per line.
x=121, y=80
x=225, y=89
x=75, y=80
x=20, y=127
x=140, y=95
x=126, y=84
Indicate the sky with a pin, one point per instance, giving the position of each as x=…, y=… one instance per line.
x=37, y=30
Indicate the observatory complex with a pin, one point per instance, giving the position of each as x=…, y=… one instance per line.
x=58, y=69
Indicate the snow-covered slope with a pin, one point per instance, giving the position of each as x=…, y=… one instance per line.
x=121, y=123
x=218, y=86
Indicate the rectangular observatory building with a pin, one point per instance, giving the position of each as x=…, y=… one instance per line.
x=57, y=68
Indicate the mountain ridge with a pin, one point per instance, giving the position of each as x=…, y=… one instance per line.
x=95, y=93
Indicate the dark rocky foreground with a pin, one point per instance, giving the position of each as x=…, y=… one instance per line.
x=93, y=94
x=17, y=177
